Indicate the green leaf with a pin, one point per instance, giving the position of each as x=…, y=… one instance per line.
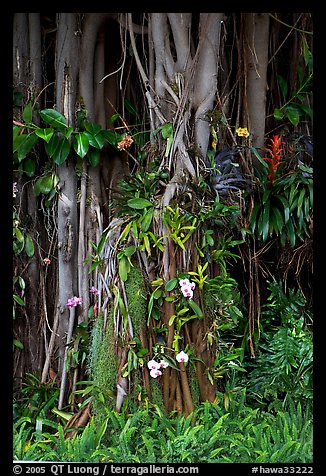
x=293, y=114
x=306, y=110
x=195, y=308
x=29, y=167
x=171, y=284
x=307, y=54
x=278, y=219
x=28, y=113
x=278, y=114
x=291, y=232
x=139, y=203
x=131, y=108
x=81, y=144
x=94, y=157
x=43, y=185
x=147, y=219
x=124, y=268
x=112, y=137
x=130, y=251
x=26, y=146
x=29, y=246
x=18, y=344
x=253, y=217
x=283, y=85
x=167, y=130
x=18, y=300
x=54, y=118
x=300, y=201
x=58, y=148
x=45, y=134
x=92, y=127
x=265, y=221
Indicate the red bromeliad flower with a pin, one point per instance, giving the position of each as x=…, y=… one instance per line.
x=274, y=160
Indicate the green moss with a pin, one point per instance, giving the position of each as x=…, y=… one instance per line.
x=157, y=397
x=102, y=365
x=194, y=387
x=137, y=298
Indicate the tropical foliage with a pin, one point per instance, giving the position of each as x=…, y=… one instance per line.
x=163, y=244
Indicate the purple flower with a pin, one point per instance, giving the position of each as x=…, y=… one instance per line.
x=74, y=301
x=94, y=291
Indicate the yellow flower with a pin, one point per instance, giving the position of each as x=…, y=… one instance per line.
x=242, y=132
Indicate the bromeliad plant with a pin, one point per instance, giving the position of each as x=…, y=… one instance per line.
x=284, y=200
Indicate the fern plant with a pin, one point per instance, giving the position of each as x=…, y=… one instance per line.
x=283, y=367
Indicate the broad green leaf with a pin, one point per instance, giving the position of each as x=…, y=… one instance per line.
x=45, y=134
x=26, y=145
x=130, y=251
x=81, y=144
x=22, y=283
x=139, y=203
x=18, y=300
x=293, y=114
x=112, y=137
x=94, y=157
x=54, y=118
x=19, y=235
x=29, y=167
x=97, y=140
x=306, y=109
x=58, y=149
x=92, y=127
x=278, y=114
x=167, y=130
x=29, y=246
x=28, y=113
x=195, y=308
x=68, y=132
x=43, y=185
x=124, y=268
x=171, y=284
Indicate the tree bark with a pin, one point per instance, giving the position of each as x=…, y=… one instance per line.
x=66, y=79
x=256, y=47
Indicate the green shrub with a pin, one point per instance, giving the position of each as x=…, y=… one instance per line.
x=283, y=367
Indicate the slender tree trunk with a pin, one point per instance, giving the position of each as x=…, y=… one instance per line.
x=205, y=86
x=66, y=78
x=256, y=47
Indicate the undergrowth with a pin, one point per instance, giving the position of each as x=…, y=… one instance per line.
x=209, y=435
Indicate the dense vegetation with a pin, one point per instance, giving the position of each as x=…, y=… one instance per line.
x=163, y=255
